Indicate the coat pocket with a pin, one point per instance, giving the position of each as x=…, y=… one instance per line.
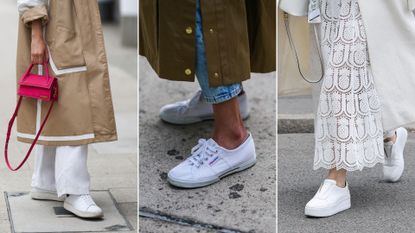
x=66, y=52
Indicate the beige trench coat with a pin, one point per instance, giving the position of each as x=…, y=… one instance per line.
x=84, y=112
x=392, y=57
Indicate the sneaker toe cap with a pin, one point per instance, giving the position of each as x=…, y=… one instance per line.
x=181, y=172
x=93, y=209
x=392, y=173
x=316, y=204
x=168, y=110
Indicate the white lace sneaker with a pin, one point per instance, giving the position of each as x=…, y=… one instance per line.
x=394, y=161
x=39, y=194
x=196, y=110
x=210, y=162
x=82, y=206
x=329, y=200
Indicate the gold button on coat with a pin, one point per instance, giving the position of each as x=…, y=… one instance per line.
x=189, y=30
x=188, y=71
x=228, y=20
x=216, y=75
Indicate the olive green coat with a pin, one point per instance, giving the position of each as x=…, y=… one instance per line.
x=239, y=38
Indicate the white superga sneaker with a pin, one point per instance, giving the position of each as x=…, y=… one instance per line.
x=39, y=194
x=329, y=200
x=210, y=162
x=196, y=110
x=394, y=161
x=82, y=206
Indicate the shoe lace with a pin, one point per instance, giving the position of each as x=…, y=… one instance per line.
x=88, y=200
x=201, y=153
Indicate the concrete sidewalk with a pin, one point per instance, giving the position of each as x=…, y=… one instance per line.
x=112, y=165
x=295, y=114
x=243, y=202
x=377, y=207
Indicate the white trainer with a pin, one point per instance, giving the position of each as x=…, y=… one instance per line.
x=394, y=161
x=329, y=200
x=83, y=206
x=40, y=194
x=196, y=110
x=210, y=162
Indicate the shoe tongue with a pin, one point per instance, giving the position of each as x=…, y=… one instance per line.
x=211, y=142
x=329, y=182
x=325, y=187
x=196, y=98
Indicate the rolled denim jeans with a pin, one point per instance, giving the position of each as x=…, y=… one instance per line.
x=214, y=95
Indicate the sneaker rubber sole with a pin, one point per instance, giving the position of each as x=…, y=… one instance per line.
x=81, y=214
x=187, y=184
x=327, y=212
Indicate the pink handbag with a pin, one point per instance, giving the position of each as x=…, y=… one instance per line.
x=36, y=87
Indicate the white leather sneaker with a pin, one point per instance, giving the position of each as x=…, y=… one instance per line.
x=329, y=200
x=39, y=194
x=196, y=110
x=210, y=162
x=83, y=206
x=394, y=161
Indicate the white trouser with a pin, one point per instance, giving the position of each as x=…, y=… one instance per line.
x=62, y=169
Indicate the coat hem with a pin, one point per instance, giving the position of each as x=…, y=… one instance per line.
x=97, y=139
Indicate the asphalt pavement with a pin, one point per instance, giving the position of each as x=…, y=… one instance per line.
x=377, y=206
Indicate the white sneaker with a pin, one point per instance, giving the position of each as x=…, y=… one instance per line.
x=210, y=162
x=394, y=162
x=83, y=206
x=39, y=194
x=329, y=200
x=196, y=110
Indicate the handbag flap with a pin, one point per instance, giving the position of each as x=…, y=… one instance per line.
x=34, y=80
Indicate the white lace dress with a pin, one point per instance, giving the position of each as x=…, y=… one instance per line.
x=348, y=126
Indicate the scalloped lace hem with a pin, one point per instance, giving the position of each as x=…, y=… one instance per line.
x=347, y=167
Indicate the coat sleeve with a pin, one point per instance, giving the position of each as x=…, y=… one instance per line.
x=31, y=10
x=411, y=5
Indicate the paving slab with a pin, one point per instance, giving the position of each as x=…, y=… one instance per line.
x=244, y=201
x=29, y=216
x=129, y=210
x=377, y=206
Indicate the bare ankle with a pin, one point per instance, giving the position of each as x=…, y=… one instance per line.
x=230, y=139
x=341, y=183
x=390, y=139
x=339, y=176
x=332, y=175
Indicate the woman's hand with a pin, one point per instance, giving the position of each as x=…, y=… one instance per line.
x=39, y=51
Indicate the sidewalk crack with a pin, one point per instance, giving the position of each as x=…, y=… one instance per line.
x=148, y=213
